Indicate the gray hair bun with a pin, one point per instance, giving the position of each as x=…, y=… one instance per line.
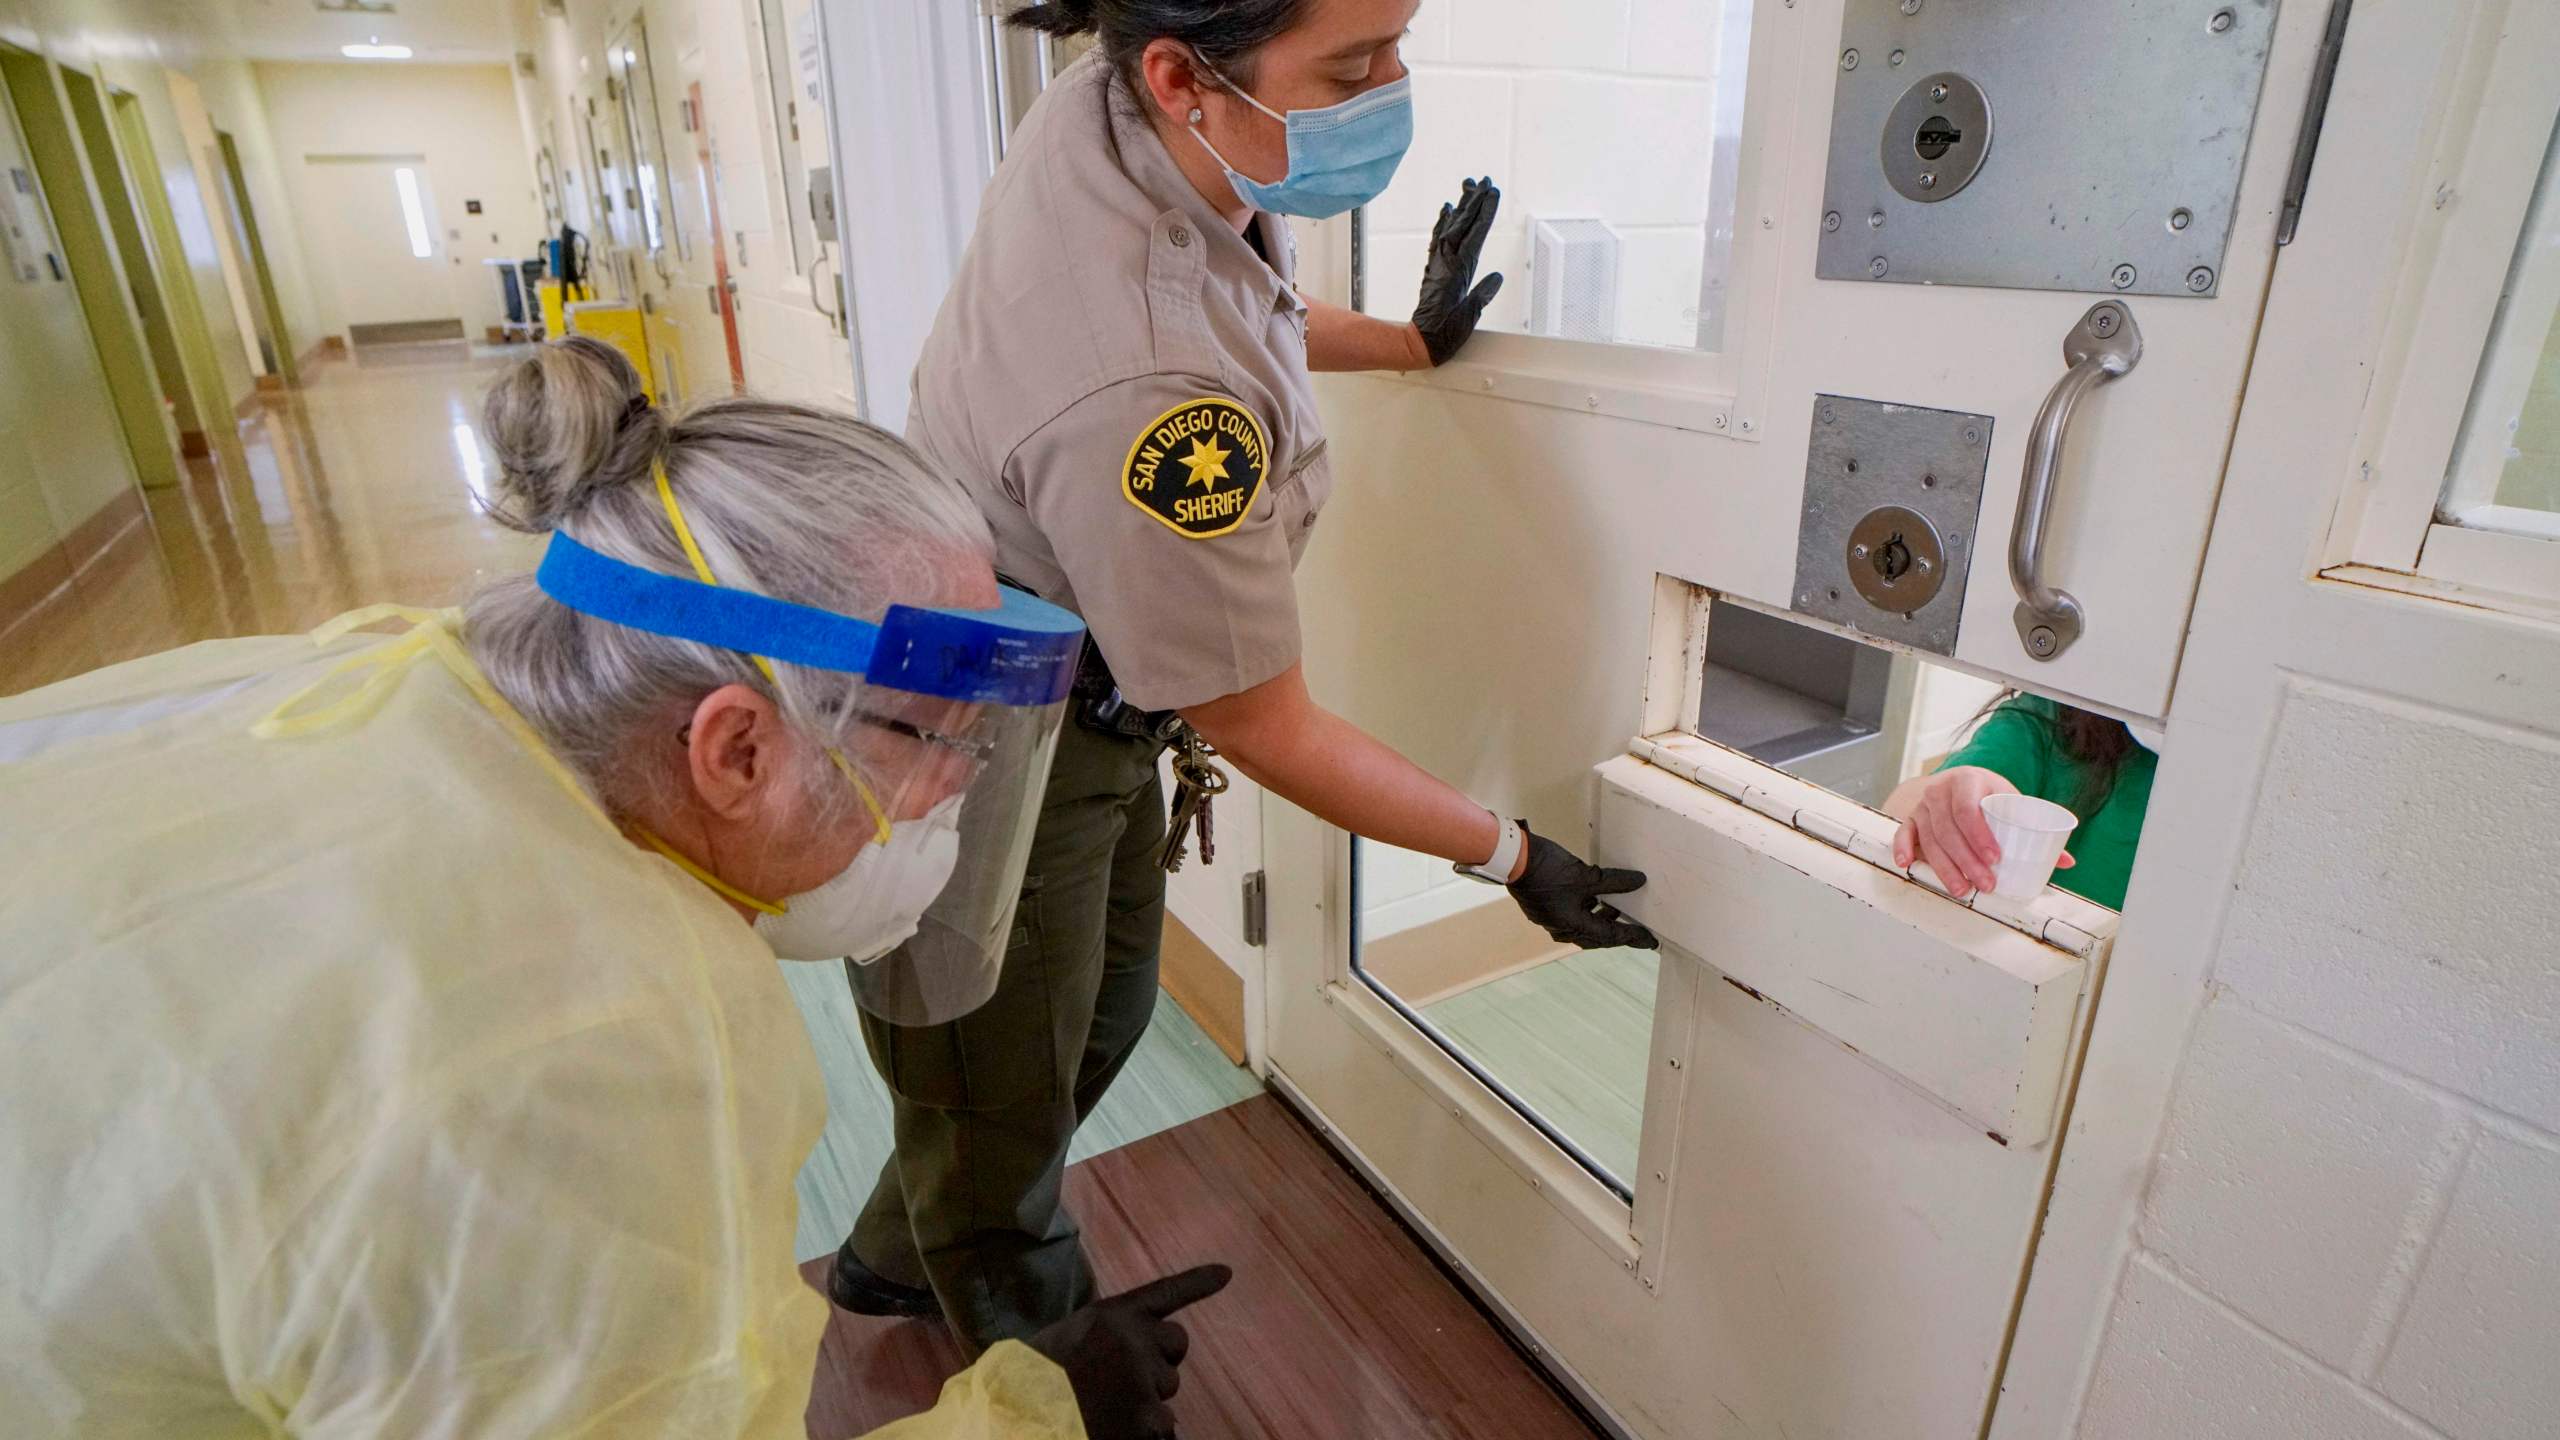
x=569, y=423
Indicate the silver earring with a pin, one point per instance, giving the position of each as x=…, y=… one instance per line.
x=1195, y=114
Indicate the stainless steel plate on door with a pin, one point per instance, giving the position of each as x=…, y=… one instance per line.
x=1892, y=497
x=2055, y=146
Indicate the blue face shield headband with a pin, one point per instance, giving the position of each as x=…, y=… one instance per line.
x=1340, y=157
x=1023, y=652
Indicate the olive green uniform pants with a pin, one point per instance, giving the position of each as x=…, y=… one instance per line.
x=986, y=1105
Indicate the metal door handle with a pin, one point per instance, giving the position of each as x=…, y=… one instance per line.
x=815, y=303
x=2104, y=345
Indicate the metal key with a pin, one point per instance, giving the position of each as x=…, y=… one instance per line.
x=1200, y=783
x=1177, y=835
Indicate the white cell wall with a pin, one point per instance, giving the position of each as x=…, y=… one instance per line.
x=2351, y=1228
x=1592, y=110
x=1404, y=889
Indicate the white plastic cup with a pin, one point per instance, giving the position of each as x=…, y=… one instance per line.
x=2031, y=833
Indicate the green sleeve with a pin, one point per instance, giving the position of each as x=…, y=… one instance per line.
x=2017, y=743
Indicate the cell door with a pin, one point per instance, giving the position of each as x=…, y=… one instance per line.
x=1863, y=367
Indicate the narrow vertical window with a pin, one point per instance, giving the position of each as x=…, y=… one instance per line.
x=414, y=211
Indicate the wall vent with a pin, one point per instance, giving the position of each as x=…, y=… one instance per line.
x=1573, y=279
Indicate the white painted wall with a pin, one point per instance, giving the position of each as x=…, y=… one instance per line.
x=1404, y=889
x=463, y=119
x=1944, y=703
x=1552, y=101
x=233, y=102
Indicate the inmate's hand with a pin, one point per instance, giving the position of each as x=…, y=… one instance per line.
x=1948, y=832
x=1124, y=1355
x=1561, y=892
x=1452, y=300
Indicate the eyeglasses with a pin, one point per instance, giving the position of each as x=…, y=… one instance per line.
x=975, y=750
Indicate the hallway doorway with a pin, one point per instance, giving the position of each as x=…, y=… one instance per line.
x=142, y=268
x=243, y=219
x=97, y=275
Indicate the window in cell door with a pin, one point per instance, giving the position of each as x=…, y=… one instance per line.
x=651, y=189
x=1614, y=134
x=2457, y=486
x=2505, y=475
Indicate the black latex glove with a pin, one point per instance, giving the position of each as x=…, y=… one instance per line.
x=1561, y=892
x=1452, y=301
x=1123, y=1355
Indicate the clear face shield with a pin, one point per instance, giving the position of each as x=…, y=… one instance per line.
x=971, y=742
x=947, y=742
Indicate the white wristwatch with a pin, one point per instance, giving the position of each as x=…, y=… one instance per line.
x=1506, y=855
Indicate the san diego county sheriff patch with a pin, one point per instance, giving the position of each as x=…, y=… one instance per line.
x=1198, y=468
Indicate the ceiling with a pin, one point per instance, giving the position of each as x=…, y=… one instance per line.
x=446, y=30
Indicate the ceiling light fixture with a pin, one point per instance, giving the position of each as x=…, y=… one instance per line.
x=376, y=51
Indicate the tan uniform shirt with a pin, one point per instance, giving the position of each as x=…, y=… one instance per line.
x=1121, y=382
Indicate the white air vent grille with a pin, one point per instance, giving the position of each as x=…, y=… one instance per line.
x=1573, y=279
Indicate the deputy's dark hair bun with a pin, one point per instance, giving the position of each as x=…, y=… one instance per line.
x=1060, y=17
x=568, y=423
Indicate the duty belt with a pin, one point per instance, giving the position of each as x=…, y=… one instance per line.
x=1100, y=706
x=1098, y=703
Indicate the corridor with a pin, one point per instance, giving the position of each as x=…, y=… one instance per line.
x=359, y=487
x=364, y=486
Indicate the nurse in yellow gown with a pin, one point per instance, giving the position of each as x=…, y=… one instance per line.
x=390, y=1037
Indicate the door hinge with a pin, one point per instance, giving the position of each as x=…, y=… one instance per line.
x=1730, y=775
x=2324, y=74
x=1257, y=909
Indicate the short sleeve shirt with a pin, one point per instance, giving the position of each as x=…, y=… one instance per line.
x=2021, y=741
x=1120, y=380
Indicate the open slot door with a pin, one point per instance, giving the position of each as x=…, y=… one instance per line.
x=1843, y=1093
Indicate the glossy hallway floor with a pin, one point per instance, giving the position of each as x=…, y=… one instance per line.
x=355, y=489
x=361, y=487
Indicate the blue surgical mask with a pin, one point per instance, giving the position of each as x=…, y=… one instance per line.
x=1340, y=157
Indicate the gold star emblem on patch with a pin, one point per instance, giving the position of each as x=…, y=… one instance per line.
x=1207, y=462
x=1199, y=467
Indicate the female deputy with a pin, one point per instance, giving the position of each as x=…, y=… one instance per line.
x=389, y=1027
x=1119, y=377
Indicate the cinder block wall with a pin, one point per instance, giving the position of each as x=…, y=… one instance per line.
x=2353, y=1229
x=1594, y=110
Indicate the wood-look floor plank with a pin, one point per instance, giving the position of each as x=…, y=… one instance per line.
x=1337, y=1325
